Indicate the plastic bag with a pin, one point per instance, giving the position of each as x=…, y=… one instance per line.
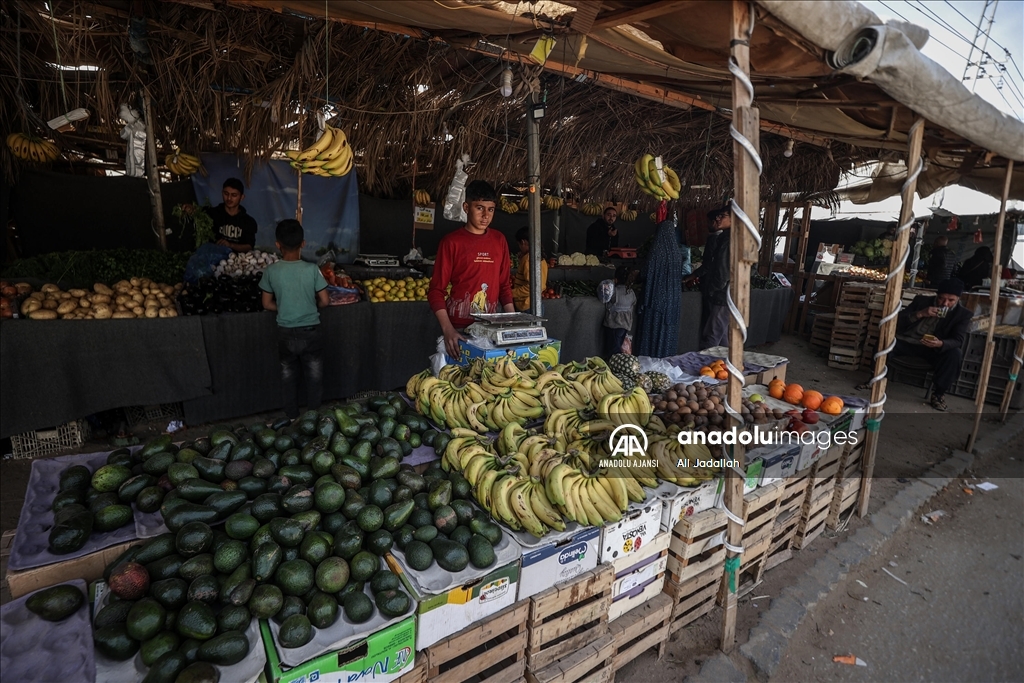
x=606, y=290
x=456, y=196
x=202, y=263
x=439, y=359
x=627, y=345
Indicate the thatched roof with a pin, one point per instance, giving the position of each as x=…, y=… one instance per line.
x=249, y=81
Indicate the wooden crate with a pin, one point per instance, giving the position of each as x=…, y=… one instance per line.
x=418, y=672
x=876, y=299
x=694, y=598
x=760, y=508
x=781, y=547
x=643, y=568
x=489, y=651
x=845, y=497
x=816, y=506
x=850, y=318
x=821, y=330
x=794, y=491
x=849, y=462
x=845, y=357
x=696, y=545
x=855, y=294
x=566, y=617
x=640, y=629
x=592, y=663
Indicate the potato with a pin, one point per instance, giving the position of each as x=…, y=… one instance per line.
x=37, y=296
x=138, y=297
x=168, y=313
x=121, y=299
x=47, y=288
x=67, y=307
x=167, y=290
x=150, y=299
x=30, y=305
x=122, y=286
x=84, y=302
x=135, y=282
x=179, y=286
x=102, y=311
x=120, y=308
x=50, y=304
x=138, y=311
x=122, y=315
x=64, y=295
x=101, y=288
x=23, y=288
x=100, y=298
x=152, y=312
x=43, y=314
x=78, y=293
x=67, y=316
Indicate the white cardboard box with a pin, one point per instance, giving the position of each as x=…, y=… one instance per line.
x=779, y=464
x=689, y=501
x=553, y=563
x=439, y=616
x=632, y=532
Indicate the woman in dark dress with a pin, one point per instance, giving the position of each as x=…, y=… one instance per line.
x=976, y=268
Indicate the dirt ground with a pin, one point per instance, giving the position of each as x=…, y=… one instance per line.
x=913, y=438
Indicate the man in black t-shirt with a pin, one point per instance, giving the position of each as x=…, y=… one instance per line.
x=602, y=234
x=232, y=226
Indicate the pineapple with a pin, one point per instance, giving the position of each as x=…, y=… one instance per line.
x=644, y=382
x=659, y=381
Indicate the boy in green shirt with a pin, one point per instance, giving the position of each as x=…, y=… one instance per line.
x=296, y=289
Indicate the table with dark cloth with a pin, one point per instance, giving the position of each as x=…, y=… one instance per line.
x=62, y=370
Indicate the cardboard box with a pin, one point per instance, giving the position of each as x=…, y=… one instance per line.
x=88, y=568
x=771, y=373
x=380, y=657
x=552, y=563
x=439, y=616
x=470, y=351
x=630, y=534
x=779, y=464
x=689, y=501
x=750, y=482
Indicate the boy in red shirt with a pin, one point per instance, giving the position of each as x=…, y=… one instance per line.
x=475, y=261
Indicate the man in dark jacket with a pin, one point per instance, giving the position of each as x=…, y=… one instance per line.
x=714, y=280
x=934, y=328
x=602, y=234
x=942, y=261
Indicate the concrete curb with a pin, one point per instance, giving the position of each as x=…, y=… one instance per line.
x=768, y=640
x=1009, y=430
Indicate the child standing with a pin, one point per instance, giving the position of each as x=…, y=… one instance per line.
x=475, y=261
x=618, y=307
x=296, y=289
x=521, y=281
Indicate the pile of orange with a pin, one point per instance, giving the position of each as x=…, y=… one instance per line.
x=715, y=370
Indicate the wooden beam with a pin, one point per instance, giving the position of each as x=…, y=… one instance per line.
x=634, y=14
x=887, y=333
x=1011, y=383
x=152, y=175
x=742, y=254
x=993, y=300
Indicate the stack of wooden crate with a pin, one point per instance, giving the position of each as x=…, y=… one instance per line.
x=791, y=501
x=848, y=333
x=821, y=330
x=818, y=499
x=641, y=629
x=760, y=508
x=696, y=563
x=848, y=483
x=568, y=631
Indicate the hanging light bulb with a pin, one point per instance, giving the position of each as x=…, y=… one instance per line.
x=788, y=152
x=506, y=82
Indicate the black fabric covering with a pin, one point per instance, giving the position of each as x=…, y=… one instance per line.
x=690, y=306
x=58, y=212
x=54, y=372
x=768, y=311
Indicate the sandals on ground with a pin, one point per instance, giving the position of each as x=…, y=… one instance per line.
x=938, y=403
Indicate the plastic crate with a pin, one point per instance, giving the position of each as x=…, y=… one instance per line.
x=1002, y=353
x=43, y=442
x=138, y=414
x=967, y=387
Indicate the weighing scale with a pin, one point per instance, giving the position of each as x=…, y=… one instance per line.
x=377, y=260
x=507, y=329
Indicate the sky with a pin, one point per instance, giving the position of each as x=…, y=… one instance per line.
x=950, y=46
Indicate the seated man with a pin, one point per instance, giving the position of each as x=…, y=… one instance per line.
x=934, y=328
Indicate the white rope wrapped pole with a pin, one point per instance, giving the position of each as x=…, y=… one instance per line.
x=892, y=304
x=745, y=244
x=1018, y=361
x=993, y=300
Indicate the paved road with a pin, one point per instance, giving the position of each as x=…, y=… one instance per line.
x=960, y=616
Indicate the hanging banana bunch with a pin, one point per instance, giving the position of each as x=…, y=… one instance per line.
x=329, y=157
x=551, y=202
x=421, y=198
x=628, y=215
x=31, y=148
x=592, y=209
x=655, y=177
x=180, y=163
x=508, y=206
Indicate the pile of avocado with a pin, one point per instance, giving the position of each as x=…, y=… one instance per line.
x=308, y=511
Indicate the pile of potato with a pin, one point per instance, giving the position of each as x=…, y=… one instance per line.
x=135, y=298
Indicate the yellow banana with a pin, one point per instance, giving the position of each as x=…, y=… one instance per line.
x=484, y=486
x=543, y=509
x=318, y=147
x=554, y=483
x=523, y=511
x=583, y=494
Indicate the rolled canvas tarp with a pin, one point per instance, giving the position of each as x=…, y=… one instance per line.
x=862, y=46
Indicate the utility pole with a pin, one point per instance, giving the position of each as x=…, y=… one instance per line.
x=533, y=178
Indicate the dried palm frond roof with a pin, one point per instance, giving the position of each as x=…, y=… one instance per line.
x=251, y=82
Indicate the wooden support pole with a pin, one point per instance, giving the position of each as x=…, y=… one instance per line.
x=743, y=253
x=533, y=178
x=993, y=300
x=152, y=174
x=893, y=293
x=1018, y=354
